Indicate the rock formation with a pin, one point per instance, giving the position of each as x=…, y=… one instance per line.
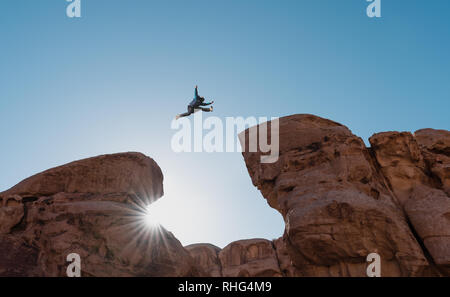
x=92, y=207
x=206, y=257
x=418, y=170
x=252, y=257
x=340, y=201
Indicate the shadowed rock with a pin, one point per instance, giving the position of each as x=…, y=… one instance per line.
x=336, y=201
x=206, y=256
x=249, y=258
x=418, y=170
x=92, y=207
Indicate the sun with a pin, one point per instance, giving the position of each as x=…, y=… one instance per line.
x=153, y=214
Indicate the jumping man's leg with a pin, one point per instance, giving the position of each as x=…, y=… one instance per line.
x=184, y=114
x=188, y=113
x=207, y=109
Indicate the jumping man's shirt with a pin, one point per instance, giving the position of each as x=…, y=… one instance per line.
x=196, y=101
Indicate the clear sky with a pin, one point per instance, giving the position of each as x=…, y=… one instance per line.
x=113, y=80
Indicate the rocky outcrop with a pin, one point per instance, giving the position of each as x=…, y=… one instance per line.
x=284, y=260
x=242, y=258
x=252, y=257
x=435, y=148
x=206, y=256
x=342, y=201
x=418, y=170
x=92, y=207
x=130, y=173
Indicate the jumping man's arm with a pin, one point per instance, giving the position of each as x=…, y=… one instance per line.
x=196, y=92
x=206, y=104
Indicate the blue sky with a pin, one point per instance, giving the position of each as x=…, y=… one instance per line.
x=113, y=80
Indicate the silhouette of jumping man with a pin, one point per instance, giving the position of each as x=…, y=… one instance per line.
x=196, y=104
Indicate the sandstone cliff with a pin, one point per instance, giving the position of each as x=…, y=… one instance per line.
x=92, y=207
x=340, y=201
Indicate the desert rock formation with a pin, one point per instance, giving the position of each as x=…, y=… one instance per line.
x=92, y=207
x=340, y=201
x=418, y=170
x=206, y=256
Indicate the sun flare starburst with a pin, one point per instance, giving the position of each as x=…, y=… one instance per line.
x=152, y=214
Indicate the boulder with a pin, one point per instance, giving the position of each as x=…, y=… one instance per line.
x=206, y=257
x=249, y=258
x=95, y=208
x=337, y=204
x=418, y=170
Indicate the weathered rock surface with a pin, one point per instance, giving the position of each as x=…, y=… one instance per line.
x=90, y=207
x=435, y=147
x=131, y=173
x=418, y=170
x=251, y=257
x=342, y=201
x=206, y=256
x=284, y=260
x=17, y=258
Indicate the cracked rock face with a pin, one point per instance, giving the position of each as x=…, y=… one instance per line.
x=435, y=147
x=206, y=256
x=246, y=258
x=251, y=257
x=242, y=258
x=342, y=201
x=89, y=207
x=11, y=213
x=418, y=170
